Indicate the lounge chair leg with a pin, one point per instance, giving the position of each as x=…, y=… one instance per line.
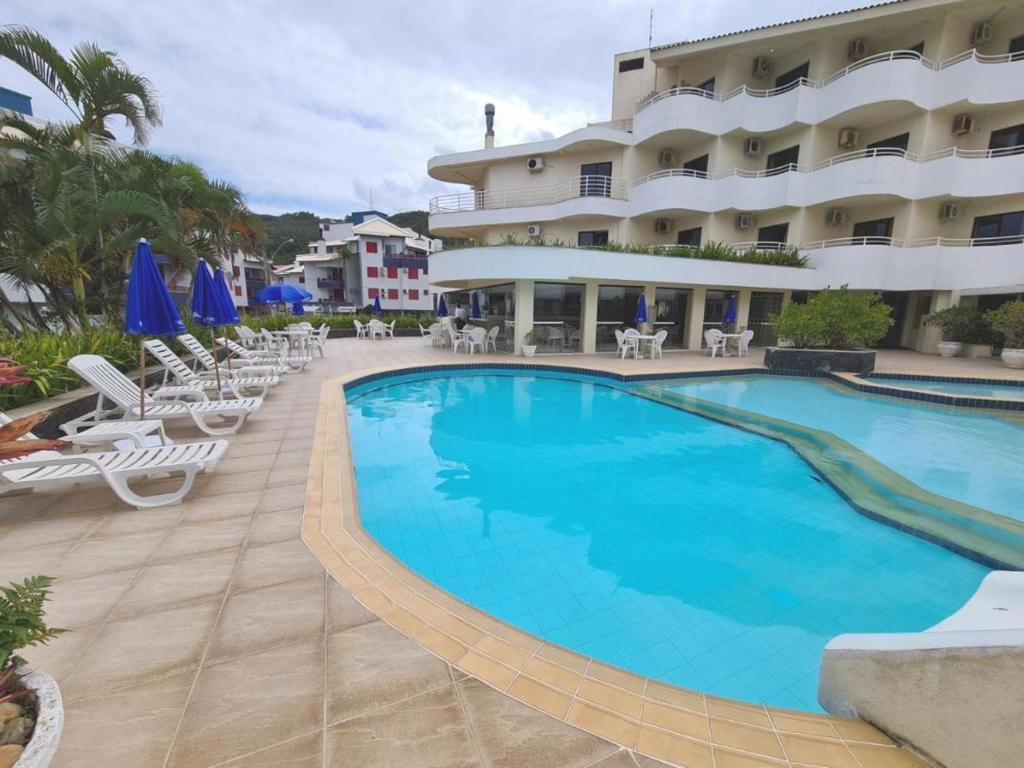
x=204, y=425
x=119, y=485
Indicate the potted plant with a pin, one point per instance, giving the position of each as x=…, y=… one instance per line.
x=529, y=346
x=1009, y=321
x=960, y=326
x=829, y=332
x=31, y=712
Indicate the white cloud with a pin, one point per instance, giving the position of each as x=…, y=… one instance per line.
x=310, y=105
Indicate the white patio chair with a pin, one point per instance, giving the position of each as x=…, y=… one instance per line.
x=230, y=381
x=556, y=338
x=389, y=328
x=318, y=339
x=743, y=343
x=248, y=338
x=49, y=469
x=492, y=339
x=478, y=339
x=282, y=346
x=622, y=346
x=656, y=342
x=124, y=395
x=459, y=339
x=425, y=333
x=715, y=341
x=377, y=329
x=576, y=339
x=438, y=335
x=360, y=329
x=631, y=338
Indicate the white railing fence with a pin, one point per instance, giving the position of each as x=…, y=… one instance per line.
x=542, y=194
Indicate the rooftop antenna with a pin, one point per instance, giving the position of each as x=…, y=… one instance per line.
x=650, y=29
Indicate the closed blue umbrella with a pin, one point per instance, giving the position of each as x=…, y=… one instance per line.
x=206, y=309
x=474, y=307
x=442, y=308
x=149, y=308
x=730, y=311
x=226, y=304
x=376, y=306
x=641, y=310
x=298, y=309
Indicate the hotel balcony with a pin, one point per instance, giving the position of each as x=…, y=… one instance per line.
x=255, y=284
x=330, y=283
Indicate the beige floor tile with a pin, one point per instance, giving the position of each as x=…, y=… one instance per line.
x=372, y=665
x=138, y=521
x=487, y=669
x=84, y=601
x=114, y=553
x=683, y=721
x=872, y=756
x=738, y=711
x=131, y=727
x=20, y=563
x=553, y=674
x=858, y=730
x=203, y=510
x=818, y=752
x=264, y=618
x=609, y=697
x=674, y=749
x=239, y=482
x=283, y=497
x=621, y=759
x=677, y=697
x=139, y=649
x=267, y=564
x=304, y=752
x=259, y=447
x=282, y=525
x=60, y=523
x=760, y=741
x=199, y=538
x=293, y=458
x=809, y=726
x=426, y=731
x=617, y=677
x=234, y=464
x=605, y=724
x=554, y=702
x=288, y=475
x=163, y=585
x=513, y=735
x=250, y=703
x=727, y=758
x=343, y=610
x=62, y=655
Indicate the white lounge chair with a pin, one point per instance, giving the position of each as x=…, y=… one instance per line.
x=124, y=394
x=248, y=338
x=258, y=361
x=715, y=341
x=255, y=363
x=656, y=342
x=49, y=469
x=230, y=380
x=743, y=343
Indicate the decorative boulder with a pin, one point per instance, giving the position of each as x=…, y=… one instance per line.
x=820, y=360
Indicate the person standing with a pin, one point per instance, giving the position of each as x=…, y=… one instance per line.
x=460, y=315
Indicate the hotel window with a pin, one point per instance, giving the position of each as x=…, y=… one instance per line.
x=238, y=290
x=371, y=247
x=770, y=237
x=592, y=238
x=793, y=77
x=392, y=273
x=373, y=292
x=372, y=272
x=236, y=272
x=596, y=180
x=628, y=65
x=1000, y=228
x=302, y=278
x=783, y=161
x=875, y=232
x=1017, y=48
x=414, y=294
x=689, y=237
x=1007, y=141
x=392, y=293
x=894, y=145
x=698, y=167
x=414, y=273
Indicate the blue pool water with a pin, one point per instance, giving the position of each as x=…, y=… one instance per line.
x=636, y=533
x=967, y=389
x=971, y=457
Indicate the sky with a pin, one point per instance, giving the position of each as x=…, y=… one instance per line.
x=332, y=107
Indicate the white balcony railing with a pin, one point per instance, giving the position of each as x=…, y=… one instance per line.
x=596, y=187
x=878, y=58
x=844, y=242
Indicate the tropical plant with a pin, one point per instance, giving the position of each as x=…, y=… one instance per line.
x=835, y=319
x=1008, y=319
x=968, y=325
x=22, y=618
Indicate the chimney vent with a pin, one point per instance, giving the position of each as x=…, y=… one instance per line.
x=489, y=135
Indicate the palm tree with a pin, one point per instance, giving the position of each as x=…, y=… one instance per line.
x=93, y=83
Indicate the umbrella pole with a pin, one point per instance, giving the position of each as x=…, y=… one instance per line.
x=142, y=379
x=216, y=365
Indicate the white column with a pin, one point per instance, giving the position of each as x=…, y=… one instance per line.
x=695, y=322
x=589, y=320
x=649, y=296
x=524, y=311
x=743, y=307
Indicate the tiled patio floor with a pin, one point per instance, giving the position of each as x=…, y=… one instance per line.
x=208, y=634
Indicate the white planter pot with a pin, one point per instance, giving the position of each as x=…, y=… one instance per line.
x=1013, y=358
x=977, y=350
x=529, y=351
x=949, y=348
x=49, y=724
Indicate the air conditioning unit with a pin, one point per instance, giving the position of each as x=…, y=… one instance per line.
x=849, y=138
x=533, y=230
x=857, y=49
x=962, y=124
x=981, y=33
x=752, y=147
x=950, y=212
x=745, y=221
x=667, y=158
x=661, y=226
x=762, y=67
x=836, y=217
x=535, y=164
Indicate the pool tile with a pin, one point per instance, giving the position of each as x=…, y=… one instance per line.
x=603, y=723
x=487, y=669
x=858, y=730
x=555, y=703
x=727, y=758
x=807, y=726
x=553, y=675
x=674, y=749
x=871, y=756
x=503, y=651
x=609, y=697
x=749, y=739
x=448, y=648
x=681, y=721
x=735, y=710
x=819, y=752
x=616, y=677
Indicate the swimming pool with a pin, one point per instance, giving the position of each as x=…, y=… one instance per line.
x=966, y=388
x=633, y=532
x=970, y=457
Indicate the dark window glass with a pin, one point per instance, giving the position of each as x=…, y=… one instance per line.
x=708, y=86
x=875, y=232
x=1007, y=141
x=628, y=65
x=1017, y=48
x=596, y=180
x=592, y=237
x=1003, y=228
x=792, y=77
x=781, y=161
x=698, y=165
x=770, y=237
x=919, y=48
x=689, y=237
x=894, y=145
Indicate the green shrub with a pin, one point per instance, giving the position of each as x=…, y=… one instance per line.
x=835, y=319
x=22, y=622
x=968, y=325
x=1009, y=321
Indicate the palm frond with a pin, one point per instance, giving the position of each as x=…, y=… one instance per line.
x=40, y=58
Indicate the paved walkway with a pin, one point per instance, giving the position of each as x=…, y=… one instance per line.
x=207, y=634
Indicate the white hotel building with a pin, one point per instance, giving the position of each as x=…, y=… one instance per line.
x=887, y=143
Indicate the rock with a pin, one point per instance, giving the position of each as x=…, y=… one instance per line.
x=9, y=754
x=9, y=711
x=17, y=731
